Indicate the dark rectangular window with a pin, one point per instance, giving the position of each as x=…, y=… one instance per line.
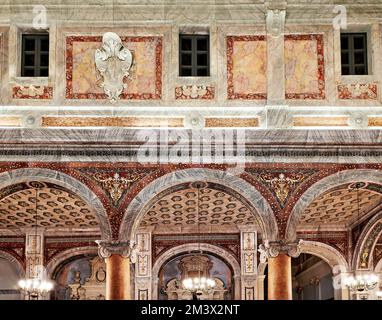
x=194, y=55
x=354, y=54
x=35, y=55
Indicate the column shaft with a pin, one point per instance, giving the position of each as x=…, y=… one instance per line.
x=280, y=278
x=118, y=278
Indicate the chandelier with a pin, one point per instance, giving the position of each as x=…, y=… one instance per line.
x=199, y=284
x=37, y=286
x=361, y=283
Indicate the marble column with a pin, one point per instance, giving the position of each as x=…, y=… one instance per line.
x=118, y=256
x=280, y=278
x=279, y=253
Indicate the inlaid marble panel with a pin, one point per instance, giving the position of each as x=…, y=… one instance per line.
x=246, y=67
x=82, y=79
x=304, y=67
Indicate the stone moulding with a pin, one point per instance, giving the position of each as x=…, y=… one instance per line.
x=113, y=61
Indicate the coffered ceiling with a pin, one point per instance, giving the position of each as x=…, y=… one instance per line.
x=218, y=210
x=338, y=206
x=57, y=207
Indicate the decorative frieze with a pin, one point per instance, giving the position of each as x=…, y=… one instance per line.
x=360, y=91
x=193, y=92
x=131, y=122
x=32, y=92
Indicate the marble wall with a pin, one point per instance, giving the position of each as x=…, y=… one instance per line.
x=241, y=80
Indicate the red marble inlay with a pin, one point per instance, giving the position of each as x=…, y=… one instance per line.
x=366, y=91
x=19, y=92
x=136, y=96
x=319, y=38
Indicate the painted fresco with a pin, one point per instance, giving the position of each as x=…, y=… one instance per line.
x=304, y=67
x=246, y=67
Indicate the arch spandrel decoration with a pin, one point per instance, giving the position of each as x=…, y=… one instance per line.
x=138, y=206
x=323, y=185
x=41, y=174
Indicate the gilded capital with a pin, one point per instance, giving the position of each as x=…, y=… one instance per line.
x=126, y=249
x=271, y=249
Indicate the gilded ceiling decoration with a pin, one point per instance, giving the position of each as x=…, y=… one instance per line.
x=179, y=209
x=338, y=206
x=281, y=183
x=116, y=182
x=57, y=207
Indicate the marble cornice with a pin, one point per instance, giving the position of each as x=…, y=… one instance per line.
x=11, y=137
x=119, y=144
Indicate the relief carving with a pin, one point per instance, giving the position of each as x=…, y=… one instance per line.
x=275, y=20
x=113, y=61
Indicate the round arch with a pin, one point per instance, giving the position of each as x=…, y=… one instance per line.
x=369, y=236
x=378, y=267
x=327, y=253
x=205, y=247
x=135, y=210
x=65, y=255
x=339, y=178
x=13, y=261
x=64, y=180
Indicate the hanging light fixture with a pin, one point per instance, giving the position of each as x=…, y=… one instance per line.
x=199, y=284
x=35, y=287
x=366, y=281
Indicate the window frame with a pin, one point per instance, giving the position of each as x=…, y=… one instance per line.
x=37, y=52
x=350, y=51
x=194, y=55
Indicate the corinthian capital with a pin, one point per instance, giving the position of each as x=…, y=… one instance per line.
x=124, y=248
x=271, y=249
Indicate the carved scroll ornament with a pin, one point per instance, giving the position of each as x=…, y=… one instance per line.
x=126, y=249
x=271, y=249
x=113, y=61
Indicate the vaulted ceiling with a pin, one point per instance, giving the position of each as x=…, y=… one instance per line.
x=218, y=209
x=57, y=207
x=338, y=206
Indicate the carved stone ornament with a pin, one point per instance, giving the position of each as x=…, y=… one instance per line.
x=124, y=248
x=113, y=61
x=275, y=20
x=271, y=249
